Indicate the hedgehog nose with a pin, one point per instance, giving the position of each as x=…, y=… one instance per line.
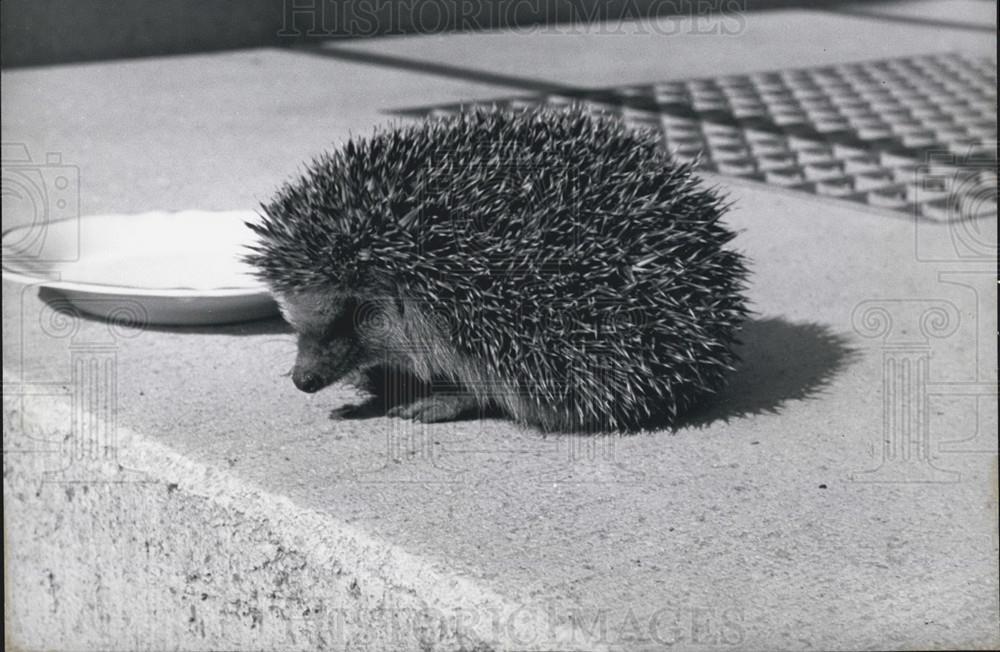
x=308, y=382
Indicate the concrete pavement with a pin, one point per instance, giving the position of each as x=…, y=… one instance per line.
x=209, y=505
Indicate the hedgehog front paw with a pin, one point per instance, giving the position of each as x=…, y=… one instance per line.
x=434, y=409
x=367, y=410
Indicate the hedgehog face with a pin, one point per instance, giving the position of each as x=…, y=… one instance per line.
x=328, y=344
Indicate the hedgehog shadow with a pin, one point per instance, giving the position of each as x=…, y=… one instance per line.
x=782, y=361
x=264, y=326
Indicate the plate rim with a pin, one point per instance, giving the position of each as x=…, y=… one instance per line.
x=26, y=278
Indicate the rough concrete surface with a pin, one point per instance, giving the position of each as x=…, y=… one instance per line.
x=170, y=489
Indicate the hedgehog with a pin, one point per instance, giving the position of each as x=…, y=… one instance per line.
x=549, y=265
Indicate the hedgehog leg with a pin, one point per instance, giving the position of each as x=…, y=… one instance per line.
x=385, y=386
x=432, y=409
x=373, y=407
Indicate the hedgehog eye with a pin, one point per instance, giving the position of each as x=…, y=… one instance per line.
x=337, y=325
x=343, y=324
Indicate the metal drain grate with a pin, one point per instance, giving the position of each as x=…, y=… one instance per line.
x=915, y=135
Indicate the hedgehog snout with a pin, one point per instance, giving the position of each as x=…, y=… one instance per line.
x=308, y=381
x=314, y=368
x=324, y=359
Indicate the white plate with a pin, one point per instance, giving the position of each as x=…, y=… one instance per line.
x=180, y=268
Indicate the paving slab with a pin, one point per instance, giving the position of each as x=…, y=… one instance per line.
x=170, y=489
